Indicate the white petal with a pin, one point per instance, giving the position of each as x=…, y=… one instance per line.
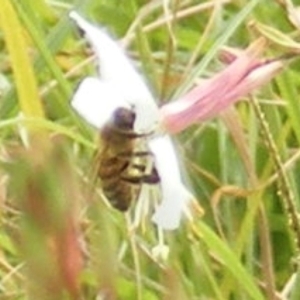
x=115, y=67
x=175, y=195
x=170, y=211
x=95, y=101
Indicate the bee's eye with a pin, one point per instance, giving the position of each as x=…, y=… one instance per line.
x=124, y=117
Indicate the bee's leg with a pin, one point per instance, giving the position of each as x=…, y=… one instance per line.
x=126, y=155
x=132, y=179
x=142, y=153
x=152, y=178
x=130, y=134
x=139, y=167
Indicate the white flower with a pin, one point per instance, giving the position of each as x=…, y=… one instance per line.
x=120, y=85
x=117, y=69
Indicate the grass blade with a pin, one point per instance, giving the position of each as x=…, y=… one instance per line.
x=29, y=100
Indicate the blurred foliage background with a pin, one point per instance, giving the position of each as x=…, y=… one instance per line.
x=59, y=240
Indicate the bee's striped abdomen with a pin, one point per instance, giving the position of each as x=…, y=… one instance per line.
x=115, y=189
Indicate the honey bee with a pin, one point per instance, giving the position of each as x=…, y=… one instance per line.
x=121, y=165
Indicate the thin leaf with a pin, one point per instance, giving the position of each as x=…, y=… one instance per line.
x=228, y=258
x=276, y=36
x=29, y=100
x=228, y=31
x=39, y=41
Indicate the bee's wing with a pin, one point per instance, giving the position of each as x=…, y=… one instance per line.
x=93, y=171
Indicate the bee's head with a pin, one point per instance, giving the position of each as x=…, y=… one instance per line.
x=124, y=118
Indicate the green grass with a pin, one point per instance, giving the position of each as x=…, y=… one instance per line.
x=58, y=238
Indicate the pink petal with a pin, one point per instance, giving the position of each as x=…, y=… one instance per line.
x=258, y=77
x=204, y=99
